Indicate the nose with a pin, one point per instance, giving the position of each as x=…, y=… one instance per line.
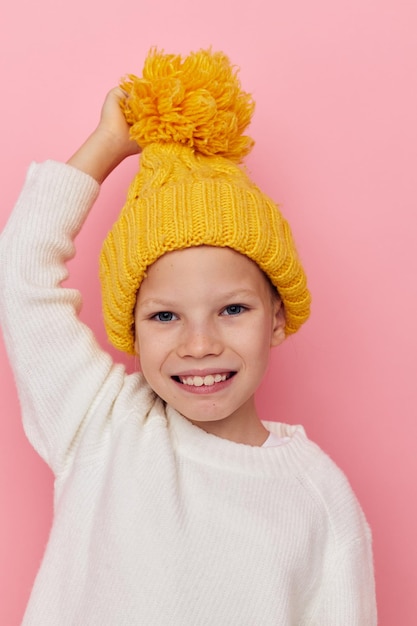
x=200, y=340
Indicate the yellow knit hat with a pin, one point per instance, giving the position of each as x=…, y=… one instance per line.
x=188, y=116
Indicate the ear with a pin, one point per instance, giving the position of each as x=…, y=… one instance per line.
x=278, y=327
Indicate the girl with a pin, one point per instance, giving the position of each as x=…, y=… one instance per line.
x=174, y=502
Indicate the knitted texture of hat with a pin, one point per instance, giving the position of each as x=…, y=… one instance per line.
x=188, y=115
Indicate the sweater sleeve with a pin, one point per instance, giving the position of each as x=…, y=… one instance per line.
x=58, y=366
x=348, y=592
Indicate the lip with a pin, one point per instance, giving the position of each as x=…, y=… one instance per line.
x=203, y=372
x=204, y=390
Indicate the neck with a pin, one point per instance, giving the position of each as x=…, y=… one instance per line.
x=248, y=430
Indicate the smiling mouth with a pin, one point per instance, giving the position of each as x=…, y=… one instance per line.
x=203, y=381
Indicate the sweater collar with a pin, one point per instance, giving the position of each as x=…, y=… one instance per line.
x=294, y=456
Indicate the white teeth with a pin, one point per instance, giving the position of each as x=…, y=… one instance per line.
x=199, y=381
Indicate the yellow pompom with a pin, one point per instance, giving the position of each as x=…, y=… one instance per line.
x=197, y=102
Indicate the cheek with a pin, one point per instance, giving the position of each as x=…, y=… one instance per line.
x=150, y=369
x=262, y=335
x=153, y=351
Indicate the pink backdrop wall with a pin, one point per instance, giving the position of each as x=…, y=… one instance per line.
x=336, y=91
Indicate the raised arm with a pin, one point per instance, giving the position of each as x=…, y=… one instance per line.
x=64, y=379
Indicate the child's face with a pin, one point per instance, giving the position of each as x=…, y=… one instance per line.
x=205, y=322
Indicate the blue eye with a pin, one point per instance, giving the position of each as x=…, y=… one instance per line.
x=234, y=309
x=164, y=316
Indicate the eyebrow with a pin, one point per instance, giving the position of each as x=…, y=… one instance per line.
x=230, y=296
x=237, y=294
x=156, y=303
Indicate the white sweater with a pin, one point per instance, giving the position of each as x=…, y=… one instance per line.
x=158, y=523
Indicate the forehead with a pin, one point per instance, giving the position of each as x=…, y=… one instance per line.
x=202, y=267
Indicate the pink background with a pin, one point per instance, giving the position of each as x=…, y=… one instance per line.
x=336, y=146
